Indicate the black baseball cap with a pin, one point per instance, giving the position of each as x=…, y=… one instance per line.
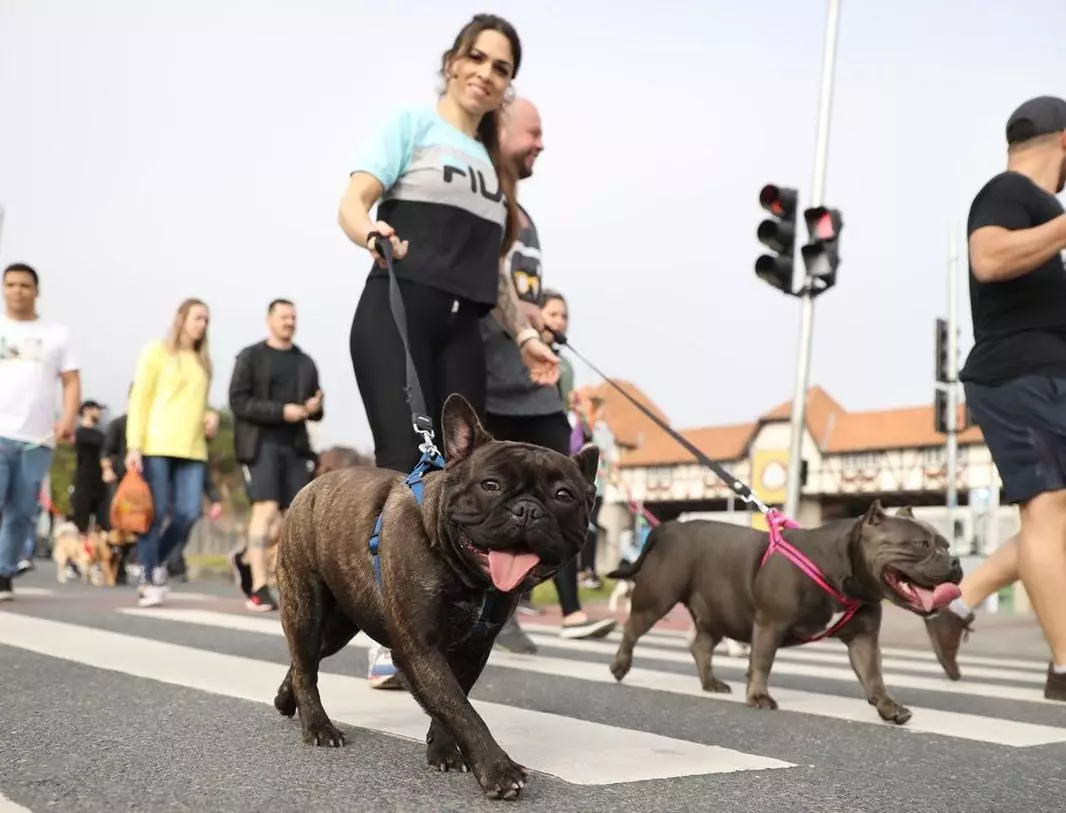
x=1042, y=115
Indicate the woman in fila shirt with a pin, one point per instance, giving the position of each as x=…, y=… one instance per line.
x=448, y=207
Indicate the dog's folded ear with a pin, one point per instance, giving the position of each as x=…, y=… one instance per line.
x=588, y=460
x=463, y=432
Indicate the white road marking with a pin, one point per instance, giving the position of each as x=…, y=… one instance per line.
x=7, y=806
x=980, y=728
x=549, y=743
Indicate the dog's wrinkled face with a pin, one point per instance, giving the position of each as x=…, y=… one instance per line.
x=514, y=512
x=908, y=561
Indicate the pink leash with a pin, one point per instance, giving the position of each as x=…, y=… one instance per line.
x=778, y=521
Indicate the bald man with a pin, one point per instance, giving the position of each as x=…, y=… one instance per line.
x=516, y=408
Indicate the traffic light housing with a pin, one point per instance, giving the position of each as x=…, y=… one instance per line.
x=777, y=233
x=940, y=411
x=821, y=255
x=943, y=370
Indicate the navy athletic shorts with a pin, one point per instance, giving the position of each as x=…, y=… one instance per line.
x=1024, y=425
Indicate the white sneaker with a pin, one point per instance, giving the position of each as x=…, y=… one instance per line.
x=152, y=595
x=381, y=671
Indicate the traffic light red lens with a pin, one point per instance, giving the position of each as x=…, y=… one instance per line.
x=823, y=228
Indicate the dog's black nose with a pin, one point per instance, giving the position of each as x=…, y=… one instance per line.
x=527, y=511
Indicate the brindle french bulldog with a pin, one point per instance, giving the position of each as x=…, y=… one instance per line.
x=499, y=518
x=713, y=568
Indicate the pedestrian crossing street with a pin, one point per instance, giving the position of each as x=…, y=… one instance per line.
x=662, y=664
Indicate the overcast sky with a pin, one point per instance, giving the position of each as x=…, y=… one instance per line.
x=156, y=149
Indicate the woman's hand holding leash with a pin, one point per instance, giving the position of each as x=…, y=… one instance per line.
x=543, y=364
x=382, y=229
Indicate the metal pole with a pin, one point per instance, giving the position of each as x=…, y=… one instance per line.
x=952, y=496
x=821, y=160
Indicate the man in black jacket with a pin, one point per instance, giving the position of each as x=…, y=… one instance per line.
x=273, y=393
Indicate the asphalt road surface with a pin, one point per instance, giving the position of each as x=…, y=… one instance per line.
x=107, y=706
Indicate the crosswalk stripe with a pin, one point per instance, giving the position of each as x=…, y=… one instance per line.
x=7, y=806
x=675, y=639
x=548, y=743
x=792, y=657
x=975, y=727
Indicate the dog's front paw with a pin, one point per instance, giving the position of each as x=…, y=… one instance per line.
x=620, y=666
x=285, y=700
x=323, y=733
x=716, y=685
x=501, y=778
x=761, y=700
x=443, y=754
x=892, y=712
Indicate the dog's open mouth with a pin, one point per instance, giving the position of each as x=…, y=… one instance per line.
x=506, y=568
x=921, y=599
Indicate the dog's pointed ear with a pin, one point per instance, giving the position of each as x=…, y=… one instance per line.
x=906, y=512
x=463, y=432
x=588, y=460
x=874, y=514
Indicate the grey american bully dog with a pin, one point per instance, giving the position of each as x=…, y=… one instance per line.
x=500, y=517
x=713, y=568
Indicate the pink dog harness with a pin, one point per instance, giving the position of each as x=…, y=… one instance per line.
x=778, y=521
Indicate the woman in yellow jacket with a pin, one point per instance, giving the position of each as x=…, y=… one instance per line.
x=167, y=427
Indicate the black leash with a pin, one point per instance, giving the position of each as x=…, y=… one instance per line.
x=420, y=418
x=740, y=489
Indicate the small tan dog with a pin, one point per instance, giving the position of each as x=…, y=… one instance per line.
x=70, y=547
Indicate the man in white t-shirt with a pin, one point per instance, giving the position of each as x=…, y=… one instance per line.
x=34, y=354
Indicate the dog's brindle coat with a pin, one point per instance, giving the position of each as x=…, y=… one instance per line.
x=713, y=568
x=492, y=496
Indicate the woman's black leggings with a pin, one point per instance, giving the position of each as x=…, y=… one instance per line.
x=444, y=335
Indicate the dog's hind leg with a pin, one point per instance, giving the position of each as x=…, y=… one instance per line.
x=303, y=618
x=337, y=632
x=646, y=609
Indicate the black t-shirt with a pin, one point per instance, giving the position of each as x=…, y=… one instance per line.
x=284, y=388
x=1019, y=325
x=88, y=477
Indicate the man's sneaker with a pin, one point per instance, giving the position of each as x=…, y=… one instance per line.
x=242, y=573
x=588, y=629
x=6, y=593
x=946, y=632
x=261, y=601
x=381, y=671
x=513, y=639
x=1055, y=687
x=152, y=595
x=24, y=566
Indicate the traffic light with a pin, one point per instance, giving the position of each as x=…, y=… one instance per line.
x=821, y=255
x=943, y=371
x=940, y=411
x=779, y=235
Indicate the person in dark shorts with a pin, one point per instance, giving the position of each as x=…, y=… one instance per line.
x=446, y=204
x=518, y=408
x=89, y=498
x=274, y=391
x=1015, y=377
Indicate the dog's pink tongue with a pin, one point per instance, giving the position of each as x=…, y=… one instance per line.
x=939, y=597
x=509, y=569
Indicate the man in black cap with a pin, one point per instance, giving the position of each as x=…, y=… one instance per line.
x=1015, y=376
